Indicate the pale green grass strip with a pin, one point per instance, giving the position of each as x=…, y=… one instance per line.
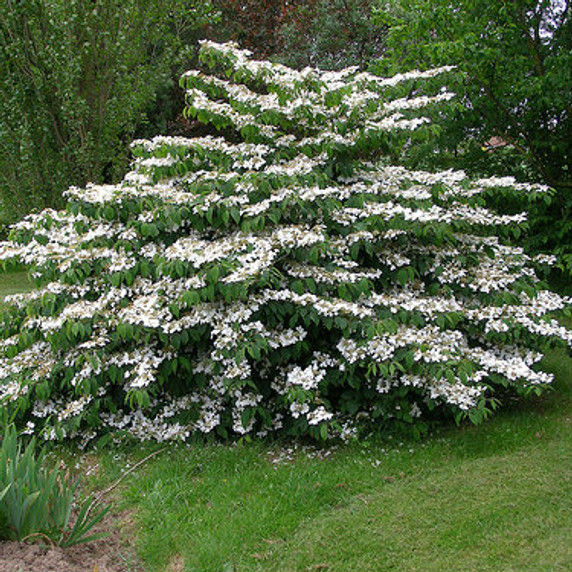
x=14, y=283
x=501, y=513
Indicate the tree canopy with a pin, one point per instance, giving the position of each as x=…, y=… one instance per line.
x=514, y=84
x=76, y=81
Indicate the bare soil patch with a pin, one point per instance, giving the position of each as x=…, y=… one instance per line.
x=109, y=554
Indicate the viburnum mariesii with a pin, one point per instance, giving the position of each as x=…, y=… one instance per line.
x=279, y=276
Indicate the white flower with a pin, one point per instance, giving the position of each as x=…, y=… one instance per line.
x=318, y=415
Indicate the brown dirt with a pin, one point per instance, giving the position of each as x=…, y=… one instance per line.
x=109, y=554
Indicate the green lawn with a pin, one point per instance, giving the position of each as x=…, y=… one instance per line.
x=14, y=283
x=492, y=498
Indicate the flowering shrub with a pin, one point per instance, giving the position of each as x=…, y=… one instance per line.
x=281, y=276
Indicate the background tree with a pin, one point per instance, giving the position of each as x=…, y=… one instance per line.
x=514, y=83
x=78, y=80
x=254, y=24
x=329, y=34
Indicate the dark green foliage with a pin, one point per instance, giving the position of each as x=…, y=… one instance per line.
x=331, y=34
x=77, y=79
x=514, y=83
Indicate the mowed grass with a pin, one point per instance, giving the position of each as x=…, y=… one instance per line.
x=14, y=283
x=492, y=498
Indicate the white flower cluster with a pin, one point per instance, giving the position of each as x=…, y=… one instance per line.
x=245, y=287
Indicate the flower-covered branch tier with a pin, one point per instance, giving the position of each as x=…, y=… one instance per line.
x=280, y=277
